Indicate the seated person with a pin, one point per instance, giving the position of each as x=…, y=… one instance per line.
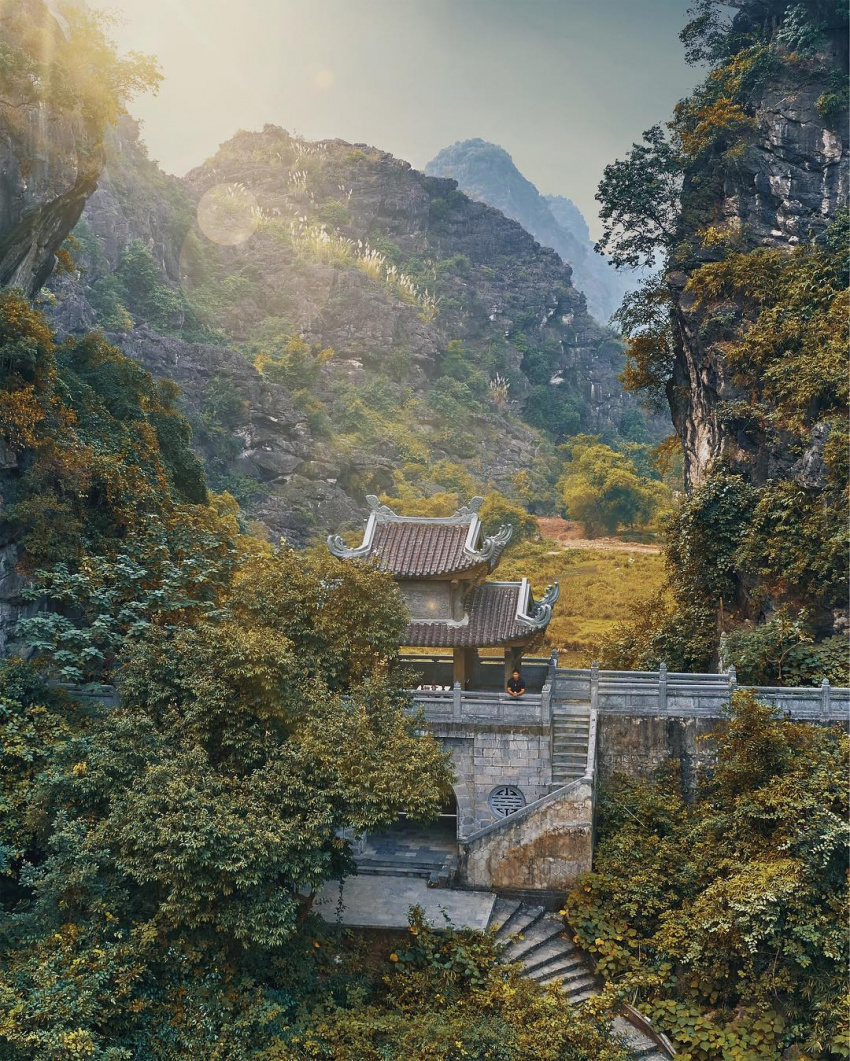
x=516, y=684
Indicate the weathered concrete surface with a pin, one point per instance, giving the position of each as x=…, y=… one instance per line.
x=545, y=847
x=638, y=744
x=384, y=901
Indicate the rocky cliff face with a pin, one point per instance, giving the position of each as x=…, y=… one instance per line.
x=50, y=157
x=785, y=188
x=410, y=299
x=487, y=172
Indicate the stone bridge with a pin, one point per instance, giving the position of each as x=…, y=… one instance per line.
x=528, y=769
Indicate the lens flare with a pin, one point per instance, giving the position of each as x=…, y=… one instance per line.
x=324, y=79
x=228, y=214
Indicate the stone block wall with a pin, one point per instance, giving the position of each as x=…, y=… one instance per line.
x=488, y=756
x=638, y=744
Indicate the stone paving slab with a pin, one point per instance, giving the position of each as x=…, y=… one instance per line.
x=383, y=902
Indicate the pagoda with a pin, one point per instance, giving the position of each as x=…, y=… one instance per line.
x=441, y=566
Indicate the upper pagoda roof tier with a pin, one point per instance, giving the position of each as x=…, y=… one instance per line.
x=416, y=547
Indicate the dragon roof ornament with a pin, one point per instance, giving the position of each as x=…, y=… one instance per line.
x=541, y=611
x=493, y=545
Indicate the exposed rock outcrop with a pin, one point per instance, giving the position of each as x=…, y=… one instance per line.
x=444, y=269
x=50, y=160
x=785, y=187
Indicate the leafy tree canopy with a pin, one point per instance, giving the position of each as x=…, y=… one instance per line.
x=603, y=489
x=724, y=916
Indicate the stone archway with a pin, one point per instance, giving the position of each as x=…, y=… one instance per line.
x=412, y=848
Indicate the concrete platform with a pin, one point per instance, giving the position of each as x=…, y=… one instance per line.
x=383, y=902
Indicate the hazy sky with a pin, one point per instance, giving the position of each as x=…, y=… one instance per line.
x=564, y=85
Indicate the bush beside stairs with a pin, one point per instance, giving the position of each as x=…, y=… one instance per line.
x=537, y=939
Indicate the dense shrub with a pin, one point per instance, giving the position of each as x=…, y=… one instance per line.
x=724, y=917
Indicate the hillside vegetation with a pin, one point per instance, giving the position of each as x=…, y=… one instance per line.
x=597, y=588
x=341, y=324
x=744, y=334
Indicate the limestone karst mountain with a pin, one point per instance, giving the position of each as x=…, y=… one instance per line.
x=341, y=324
x=487, y=172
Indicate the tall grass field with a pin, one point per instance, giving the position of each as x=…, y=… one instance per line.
x=597, y=588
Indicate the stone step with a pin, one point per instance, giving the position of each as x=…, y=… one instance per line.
x=582, y=996
x=555, y=950
x=382, y=868
x=540, y=966
x=543, y=932
x=549, y=958
x=521, y=919
x=561, y=756
x=641, y=1047
x=566, y=974
x=502, y=910
x=576, y=985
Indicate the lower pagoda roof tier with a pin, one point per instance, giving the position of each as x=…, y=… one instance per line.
x=497, y=613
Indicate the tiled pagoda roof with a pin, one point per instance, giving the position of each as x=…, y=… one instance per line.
x=418, y=547
x=497, y=613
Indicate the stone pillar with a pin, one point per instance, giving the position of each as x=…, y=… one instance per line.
x=513, y=661
x=459, y=659
x=662, y=689
x=594, y=686
x=553, y=665
x=464, y=665
x=824, y=700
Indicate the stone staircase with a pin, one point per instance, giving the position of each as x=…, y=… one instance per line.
x=537, y=939
x=570, y=734
x=379, y=867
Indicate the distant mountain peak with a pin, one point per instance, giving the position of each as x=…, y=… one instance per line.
x=487, y=172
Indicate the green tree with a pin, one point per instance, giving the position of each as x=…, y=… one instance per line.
x=497, y=511
x=177, y=841
x=603, y=489
x=640, y=199
x=145, y=292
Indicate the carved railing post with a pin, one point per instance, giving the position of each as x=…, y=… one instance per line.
x=824, y=700
x=594, y=686
x=546, y=704
x=456, y=701
x=662, y=689
x=732, y=675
